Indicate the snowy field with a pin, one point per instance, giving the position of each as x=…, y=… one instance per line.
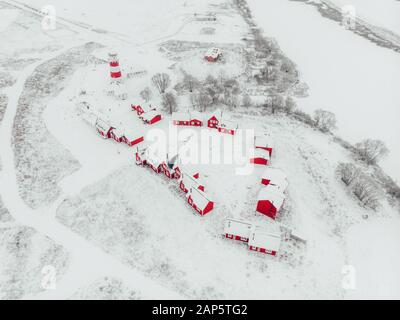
x=114, y=230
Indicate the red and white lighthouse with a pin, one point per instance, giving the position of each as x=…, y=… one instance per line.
x=115, y=69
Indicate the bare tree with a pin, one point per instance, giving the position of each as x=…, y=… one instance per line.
x=324, y=120
x=274, y=102
x=366, y=191
x=246, y=101
x=169, y=102
x=348, y=172
x=161, y=81
x=371, y=151
x=213, y=88
x=290, y=105
x=201, y=100
x=146, y=94
x=190, y=82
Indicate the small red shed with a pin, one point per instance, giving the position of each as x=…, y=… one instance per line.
x=270, y=200
x=264, y=142
x=132, y=138
x=212, y=54
x=265, y=239
x=181, y=118
x=103, y=128
x=151, y=117
x=260, y=157
x=237, y=230
x=214, y=119
x=199, y=201
x=275, y=177
x=196, y=119
x=228, y=127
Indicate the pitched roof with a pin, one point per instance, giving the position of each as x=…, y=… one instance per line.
x=261, y=153
x=147, y=107
x=267, y=236
x=272, y=194
x=238, y=227
x=102, y=125
x=132, y=135
x=213, y=52
x=199, y=198
x=189, y=181
x=118, y=132
x=264, y=141
x=90, y=118
x=276, y=176
x=150, y=115
x=181, y=116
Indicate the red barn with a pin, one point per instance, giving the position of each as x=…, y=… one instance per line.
x=212, y=54
x=214, y=119
x=237, y=230
x=181, y=118
x=189, y=181
x=265, y=239
x=270, y=200
x=260, y=157
x=275, y=177
x=118, y=135
x=103, y=128
x=264, y=142
x=199, y=201
x=228, y=127
x=196, y=119
x=134, y=107
x=143, y=109
x=151, y=117
x=132, y=138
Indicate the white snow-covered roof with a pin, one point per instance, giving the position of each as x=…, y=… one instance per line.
x=153, y=158
x=276, y=176
x=199, y=198
x=189, y=181
x=181, y=116
x=213, y=52
x=238, y=228
x=267, y=237
x=150, y=115
x=229, y=124
x=119, y=133
x=196, y=115
x=263, y=141
x=90, y=118
x=147, y=107
x=102, y=125
x=216, y=113
x=273, y=194
x=261, y=153
x=173, y=161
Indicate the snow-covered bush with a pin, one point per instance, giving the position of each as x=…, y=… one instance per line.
x=146, y=94
x=290, y=105
x=190, y=82
x=201, y=101
x=246, y=100
x=366, y=191
x=371, y=151
x=324, y=120
x=274, y=102
x=348, y=172
x=169, y=102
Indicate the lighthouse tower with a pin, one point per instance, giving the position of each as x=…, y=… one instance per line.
x=115, y=70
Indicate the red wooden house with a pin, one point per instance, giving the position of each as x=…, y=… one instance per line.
x=196, y=119
x=151, y=117
x=154, y=162
x=265, y=239
x=171, y=167
x=264, y=142
x=275, y=177
x=181, y=118
x=141, y=109
x=270, y=200
x=260, y=157
x=228, y=127
x=199, y=201
x=213, y=54
x=214, y=119
x=140, y=157
x=237, y=230
x=189, y=181
x=103, y=128
x=118, y=135
x=132, y=138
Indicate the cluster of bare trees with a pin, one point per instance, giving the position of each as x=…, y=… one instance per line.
x=371, y=151
x=324, y=120
x=360, y=184
x=275, y=103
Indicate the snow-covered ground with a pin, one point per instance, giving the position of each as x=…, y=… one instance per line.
x=114, y=230
x=346, y=73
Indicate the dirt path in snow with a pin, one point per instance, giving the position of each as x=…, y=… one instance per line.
x=87, y=262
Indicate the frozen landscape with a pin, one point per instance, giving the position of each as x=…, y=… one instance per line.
x=82, y=217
